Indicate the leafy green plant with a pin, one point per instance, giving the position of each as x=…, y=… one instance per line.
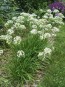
x=30, y=40
x=24, y=68
x=30, y=5
x=55, y=71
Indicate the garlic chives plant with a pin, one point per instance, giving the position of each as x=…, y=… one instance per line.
x=31, y=39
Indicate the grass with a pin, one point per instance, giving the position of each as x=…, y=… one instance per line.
x=55, y=71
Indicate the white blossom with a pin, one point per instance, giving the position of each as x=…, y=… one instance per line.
x=1, y=52
x=49, y=26
x=53, y=35
x=49, y=11
x=41, y=37
x=14, y=18
x=10, y=31
x=33, y=31
x=56, y=11
x=21, y=17
x=47, y=51
x=9, y=22
x=40, y=32
x=61, y=15
x=55, y=29
x=47, y=35
x=24, y=14
x=45, y=16
x=41, y=25
x=34, y=26
x=51, y=16
x=17, y=40
x=40, y=54
x=16, y=25
x=3, y=37
x=20, y=53
x=22, y=27
x=8, y=39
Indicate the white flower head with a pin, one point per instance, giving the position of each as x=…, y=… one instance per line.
x=51, y=16
x=1, y=52
x=49, y=26
x=9, y=22
x=14, y=18
x=56, y=11
x=34, y=26
x=41, y=25
x=10, y=31
x=21, y=17
x=47, y=51
x=8, y=39
x=17, y=40
x=24, y=14
x=16, y=25
x=55, y=29
x=47, y=35
x=40, y=32
x=61, y=15
x=33, y=15
x=20, y=53
x=33, y=31
x=41, y=37
x=2, y=37
x=22, y=27
x=49, y=11
x=45, y=16
x=40, y=54
x=53, y=35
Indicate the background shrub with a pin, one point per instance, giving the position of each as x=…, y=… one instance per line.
x=29, y=5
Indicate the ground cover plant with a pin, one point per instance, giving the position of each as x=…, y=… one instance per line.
x=30, y=40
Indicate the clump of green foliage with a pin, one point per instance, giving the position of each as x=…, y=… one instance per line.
x=55, y=71
x=30, y=5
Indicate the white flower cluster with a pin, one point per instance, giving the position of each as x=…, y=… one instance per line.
x=36, y=25
x=47, y=51
x=18, y=24
x=34, y=31
x=56, y=11
x=20, y=53
x=10, y=31
x=55, y=19
x=49, y=29
x=7, y=37
x=46, y=27
x=9, y=22
x=1, y=52
x=17, y=40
